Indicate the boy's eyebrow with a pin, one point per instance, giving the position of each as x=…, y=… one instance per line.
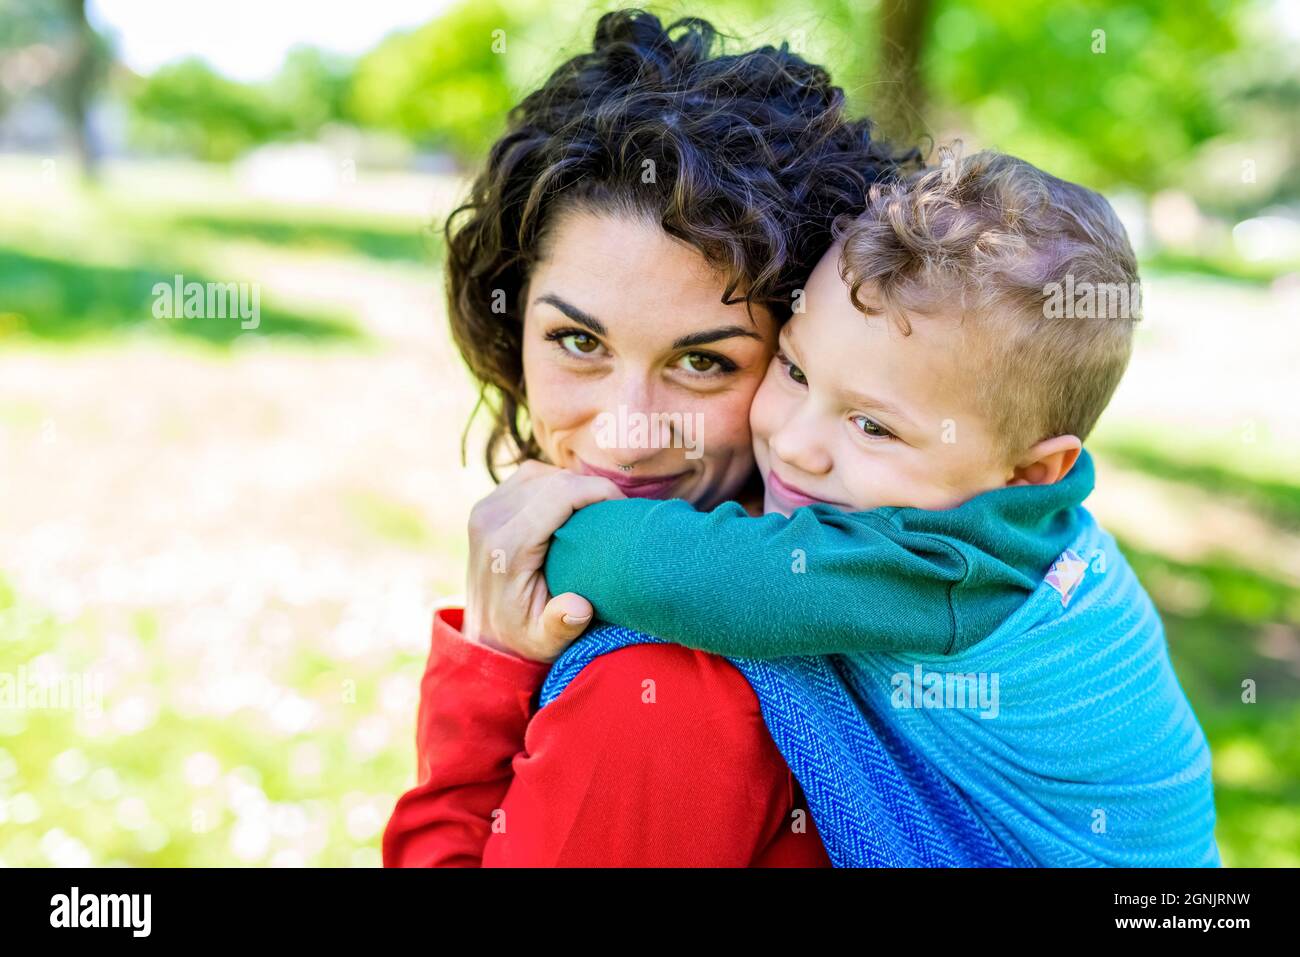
x=859, y=398
x=703, y=337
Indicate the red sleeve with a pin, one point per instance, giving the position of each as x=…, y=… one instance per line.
x=654, y=755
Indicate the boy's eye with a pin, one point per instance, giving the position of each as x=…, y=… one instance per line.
x=792, y=370
x=872, y=428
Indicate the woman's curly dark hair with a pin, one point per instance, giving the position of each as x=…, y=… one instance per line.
x=753, y=159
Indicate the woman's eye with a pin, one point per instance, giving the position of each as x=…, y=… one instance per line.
x=705, y=363
x=872, y=428
x=574, y=342
x=582, y=342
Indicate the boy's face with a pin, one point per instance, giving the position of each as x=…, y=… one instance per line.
x=855, y=414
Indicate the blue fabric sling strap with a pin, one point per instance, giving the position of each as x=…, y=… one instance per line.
x=876, y=802
x=1087, y=753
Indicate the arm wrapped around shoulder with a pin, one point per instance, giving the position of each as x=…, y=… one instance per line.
x=820, y=582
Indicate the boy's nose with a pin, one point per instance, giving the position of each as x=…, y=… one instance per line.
x=799, y=445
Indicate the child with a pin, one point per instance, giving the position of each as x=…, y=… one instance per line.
x=919, y=434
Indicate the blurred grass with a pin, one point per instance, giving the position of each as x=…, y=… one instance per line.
x=79, y=262
x=1225, y=267
x=190, y=788
x=424, y=247
x=59, y=299
x=1275, y=500
x=1228, y=625
x=143, y=799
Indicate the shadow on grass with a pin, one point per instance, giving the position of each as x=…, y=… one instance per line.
x=1225, y=626
x=1241, y=273
x=62, y=300
x=1276, y=501
x=1218, y=617
x=414, y=246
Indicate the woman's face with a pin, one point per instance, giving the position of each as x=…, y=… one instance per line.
x=631, y=359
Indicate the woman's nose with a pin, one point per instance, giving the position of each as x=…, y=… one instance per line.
x=633, y=392
x=634, y=421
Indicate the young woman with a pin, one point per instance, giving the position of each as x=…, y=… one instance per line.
x=631, y=248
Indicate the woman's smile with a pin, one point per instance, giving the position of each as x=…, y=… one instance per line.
x=636, y=486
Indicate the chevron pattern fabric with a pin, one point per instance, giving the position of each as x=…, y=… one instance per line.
x=875, y=802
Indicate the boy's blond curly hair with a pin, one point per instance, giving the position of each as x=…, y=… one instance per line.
x=1014, y=251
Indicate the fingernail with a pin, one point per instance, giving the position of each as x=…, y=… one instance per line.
x=571, y=620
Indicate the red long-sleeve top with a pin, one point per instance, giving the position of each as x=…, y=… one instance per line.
x=654, y=755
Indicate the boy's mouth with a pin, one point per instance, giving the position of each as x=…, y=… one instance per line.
x=791, y=496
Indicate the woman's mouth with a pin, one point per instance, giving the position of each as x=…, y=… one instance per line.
x=791, y=496
x=635, y=486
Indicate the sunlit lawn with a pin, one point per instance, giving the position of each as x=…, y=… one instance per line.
x=242, y=534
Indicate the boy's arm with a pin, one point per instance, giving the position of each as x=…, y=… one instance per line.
x=820, y=582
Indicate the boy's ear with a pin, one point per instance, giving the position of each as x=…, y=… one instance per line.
x=1047, y=462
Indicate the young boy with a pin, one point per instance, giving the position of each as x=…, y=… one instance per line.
x=920, y=437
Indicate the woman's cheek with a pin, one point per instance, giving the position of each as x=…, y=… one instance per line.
x=764, y=412
x=557, y=406
x=714, y=425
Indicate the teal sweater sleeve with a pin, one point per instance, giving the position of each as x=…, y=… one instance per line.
x=821, y=581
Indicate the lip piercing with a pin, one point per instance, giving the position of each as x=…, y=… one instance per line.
x=626, y=468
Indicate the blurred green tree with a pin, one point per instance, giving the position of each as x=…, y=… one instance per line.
x=311, y=89
x=1108, y=93
x=190, y=107
x=1102, y=93
x=447, y=84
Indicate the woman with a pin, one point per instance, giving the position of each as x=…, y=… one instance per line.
x=638, y=236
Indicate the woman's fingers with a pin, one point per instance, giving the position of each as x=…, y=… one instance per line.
x=515, y=529
x=563, y=620
x=510, y=531
x=549, y=503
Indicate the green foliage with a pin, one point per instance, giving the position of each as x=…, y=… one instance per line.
x=311, y=89
x=1100, y=93
x=190, y=107
x=445, y=84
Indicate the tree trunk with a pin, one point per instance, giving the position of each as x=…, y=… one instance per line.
x=900, y=105
x=79, y=86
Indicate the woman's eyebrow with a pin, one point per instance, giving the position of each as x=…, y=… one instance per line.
x=703, y=337
x=713, y=335
x=574, y=313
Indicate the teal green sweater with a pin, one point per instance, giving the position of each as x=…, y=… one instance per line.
x=821, y=581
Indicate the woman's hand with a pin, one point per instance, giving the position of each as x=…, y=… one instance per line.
x=507, y=605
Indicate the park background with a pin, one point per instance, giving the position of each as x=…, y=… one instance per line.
x=242, y=533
